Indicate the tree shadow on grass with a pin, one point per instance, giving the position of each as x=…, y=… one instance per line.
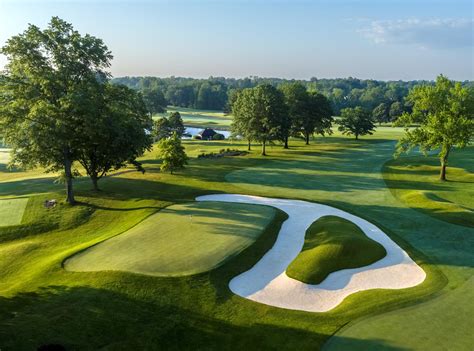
x=86, y=318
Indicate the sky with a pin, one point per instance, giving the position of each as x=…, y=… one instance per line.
x=369, y=39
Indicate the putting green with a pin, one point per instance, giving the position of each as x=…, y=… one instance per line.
x=331, y=244
x=180, y=240
x=11, y=211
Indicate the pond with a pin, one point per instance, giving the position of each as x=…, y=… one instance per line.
x=193, y=131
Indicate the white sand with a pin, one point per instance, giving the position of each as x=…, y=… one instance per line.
x=267, y=282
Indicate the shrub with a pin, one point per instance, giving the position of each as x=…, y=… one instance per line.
x=218, y=136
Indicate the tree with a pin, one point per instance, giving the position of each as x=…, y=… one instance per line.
x=297, y=100
x=116, y=134
x=356, y=121
x=445, y=117
x=176, y=123
x=172, y=154
x=161, y=129
x=380, y=113
x=258, y=113
x=396, y=110
x=155, y=101
x=45, y=92
x=317, y=118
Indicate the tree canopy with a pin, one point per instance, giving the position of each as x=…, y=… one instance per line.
x=356, y=121
x=444, y=114
x=50, y=77
x=258, y=114
x=172, y=154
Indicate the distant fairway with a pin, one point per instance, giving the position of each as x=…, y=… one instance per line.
x=180, y=240
x=414, y=180
x=11, y=211
x=200, y=118
x=331, y=244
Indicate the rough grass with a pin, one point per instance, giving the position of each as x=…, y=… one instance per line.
x=331, y=244
x=41, y=302
x=11, y=211
x=179, y=240
x=414, y=181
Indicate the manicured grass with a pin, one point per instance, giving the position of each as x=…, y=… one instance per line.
x=179, y=240
x=414, y=181
x=200, y=118
x=331, y=244
x=11, y=211
x=401, y=329
x=4, y=155
x=41, y=302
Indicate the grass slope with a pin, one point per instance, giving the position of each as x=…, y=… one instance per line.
x=11, y=211
x=414, y=181
x=179, y=240
x=41, y=302
x=331, y=244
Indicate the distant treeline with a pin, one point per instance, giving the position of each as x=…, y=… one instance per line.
x=214, y=93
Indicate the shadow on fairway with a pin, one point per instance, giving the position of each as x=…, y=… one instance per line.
x=88, y=318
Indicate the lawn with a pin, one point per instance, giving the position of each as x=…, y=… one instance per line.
x=331, y=244
x=41, y=302
x=200, y=118
x=179, y=240
x=414, y=180
x=11, y=211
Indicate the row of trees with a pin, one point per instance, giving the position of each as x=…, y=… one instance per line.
x=215, y=93
x=265, y=114
x=57, y=106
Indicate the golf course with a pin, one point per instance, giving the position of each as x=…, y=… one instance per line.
x=236, y=175
x=143, y=249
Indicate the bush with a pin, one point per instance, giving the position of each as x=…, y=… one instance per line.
x=197, y=137
x=218, y=136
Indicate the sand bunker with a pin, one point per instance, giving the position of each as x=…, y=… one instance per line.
x=267, y=282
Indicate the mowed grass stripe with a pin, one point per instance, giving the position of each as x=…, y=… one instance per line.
x=11, y=211
x=180, y=240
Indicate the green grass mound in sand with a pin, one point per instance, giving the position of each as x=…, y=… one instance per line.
x=179, y=240
x=331, y=244
x=11, y=211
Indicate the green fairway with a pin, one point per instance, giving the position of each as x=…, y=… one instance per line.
x=11, y=211
x=331, y=244
x=200, y=118
x=414, y=180
x=401, y=329
x=179, y=240
x=38, y=297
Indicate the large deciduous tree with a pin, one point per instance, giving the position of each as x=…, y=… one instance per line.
x=297, y=101
x=317, y=119
x=258, y=114
x=176, y=123
x=50, y=76
x=155, y=100
x=116, y=134
x=356, y=121
x=444, y=114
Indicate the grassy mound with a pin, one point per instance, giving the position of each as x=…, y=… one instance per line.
x=11, y=211
x=331, y=244
x=414, y=181
x=179, y=240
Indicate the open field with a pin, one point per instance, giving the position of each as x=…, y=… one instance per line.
x=331, y=244
x=41, y=302
x=179, y=240
x=200, y=118
x=11, y=211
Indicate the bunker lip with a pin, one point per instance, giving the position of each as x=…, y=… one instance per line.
x=266, y=282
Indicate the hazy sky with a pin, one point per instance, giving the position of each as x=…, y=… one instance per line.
x=380, y=39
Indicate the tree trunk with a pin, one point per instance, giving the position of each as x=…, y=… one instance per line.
x=286, y=143
x=306, y=137
x=95, y=181
x=444, y=164
x=263, y=148
x=68, y=174
x=357, y=136
x=249, y=145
